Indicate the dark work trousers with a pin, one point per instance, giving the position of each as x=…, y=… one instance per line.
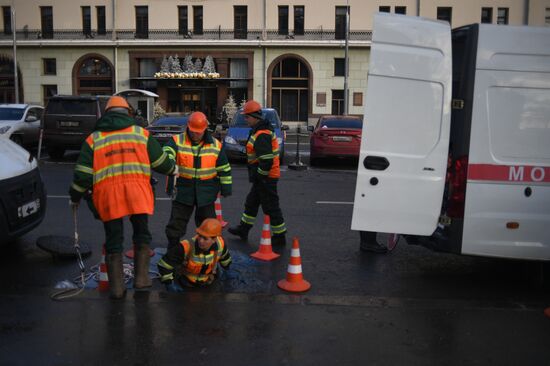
x=368, y=237
x=264, y=193
x=114, y=233
x=180, y=216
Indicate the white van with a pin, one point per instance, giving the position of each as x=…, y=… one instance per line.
x=22, y=192
x=456, y=140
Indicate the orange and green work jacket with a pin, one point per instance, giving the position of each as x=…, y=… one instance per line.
x=198, y=266
x=115, y=163
x=203, y=169
x=262, y=151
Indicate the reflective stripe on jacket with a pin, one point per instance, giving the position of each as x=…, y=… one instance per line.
x=200, y=267
x=254, y=160
x=121, y=173
x=206, y=153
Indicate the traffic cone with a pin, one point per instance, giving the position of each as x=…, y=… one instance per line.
x=130, y=253
x=294, y=281
x=103, y=283
x=265, y=253
x=218, y=208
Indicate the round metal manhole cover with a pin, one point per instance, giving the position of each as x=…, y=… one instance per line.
x=62, y=246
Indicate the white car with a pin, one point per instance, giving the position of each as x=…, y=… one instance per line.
x=20, y=122
x=22, y=192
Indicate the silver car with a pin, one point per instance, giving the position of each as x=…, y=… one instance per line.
x=20, y=122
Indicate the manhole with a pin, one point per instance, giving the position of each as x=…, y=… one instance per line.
x=62, y=246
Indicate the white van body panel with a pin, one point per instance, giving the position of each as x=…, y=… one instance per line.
x=407, y=122
x=14, y=160
x=510, y=145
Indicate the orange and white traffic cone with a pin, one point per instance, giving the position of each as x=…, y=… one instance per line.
x=218, y=208
x=265, y=253
x=103, y=283
x=294, y=281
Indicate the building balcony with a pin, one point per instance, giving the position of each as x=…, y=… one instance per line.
x=207, y=35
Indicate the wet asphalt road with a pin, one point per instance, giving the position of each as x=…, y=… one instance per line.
x=409, y=307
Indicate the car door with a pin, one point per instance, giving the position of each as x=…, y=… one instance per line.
x=404, y=144
x=31, y=124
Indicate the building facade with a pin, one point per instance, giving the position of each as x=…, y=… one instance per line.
x=289, y=55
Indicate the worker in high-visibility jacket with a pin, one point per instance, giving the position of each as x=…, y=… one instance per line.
x=203, y=172
x=192, y=263
x=115, y=163
x=262, y=150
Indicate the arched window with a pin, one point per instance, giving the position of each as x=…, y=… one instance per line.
x=94, y=76
x=290, y=88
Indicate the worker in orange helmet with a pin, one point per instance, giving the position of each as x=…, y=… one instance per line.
x=203, y=172
x=262, y=150
x=192, y=263
x=115, y=163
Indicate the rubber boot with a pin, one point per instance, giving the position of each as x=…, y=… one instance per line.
x=278, y=240
x=241, y=230
x=369, y=243
x=116, y=275
x=141, y=266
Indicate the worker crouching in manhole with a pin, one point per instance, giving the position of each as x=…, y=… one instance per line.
x=193, y=263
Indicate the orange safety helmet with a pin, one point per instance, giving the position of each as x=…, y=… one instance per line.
x=197, y=122
x=117, y=102
x=210, y=228
x=252, y=107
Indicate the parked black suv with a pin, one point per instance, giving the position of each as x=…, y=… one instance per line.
x=68, y=120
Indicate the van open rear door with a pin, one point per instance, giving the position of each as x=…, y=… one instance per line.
x=405, y=140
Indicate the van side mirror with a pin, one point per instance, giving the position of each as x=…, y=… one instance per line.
x=284, y=128
x=310, y=128
x=31, y=119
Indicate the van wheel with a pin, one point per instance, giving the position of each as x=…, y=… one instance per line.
x=56, y=152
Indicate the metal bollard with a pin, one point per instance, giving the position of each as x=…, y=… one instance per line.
x=297, y=165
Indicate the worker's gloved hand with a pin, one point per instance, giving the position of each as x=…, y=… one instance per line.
x=173, y=287
x=73, y=205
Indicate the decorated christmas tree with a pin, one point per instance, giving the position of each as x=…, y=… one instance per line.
x=188, y=65
x=176, y=67
x=165, y=65
x=158, y=111
x=198, y=65
x=230, y=108
x=209, y=67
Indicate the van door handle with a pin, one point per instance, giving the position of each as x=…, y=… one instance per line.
x=376, y=163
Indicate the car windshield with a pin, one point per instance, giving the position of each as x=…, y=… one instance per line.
x=171, y=121
x=11, y=114
x=270, y=115
x=342, y=123
x=67, y=106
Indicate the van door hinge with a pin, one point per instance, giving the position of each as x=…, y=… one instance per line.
x=457, y=103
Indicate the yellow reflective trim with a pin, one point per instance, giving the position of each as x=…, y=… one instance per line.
x=262, y=172
x=78, y=188
x=84, y=169
x=169, y=276
x=160, y=160
x=163, y=264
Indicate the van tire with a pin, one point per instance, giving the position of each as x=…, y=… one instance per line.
x=56, y=152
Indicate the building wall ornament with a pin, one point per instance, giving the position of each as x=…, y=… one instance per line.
x=171, y=68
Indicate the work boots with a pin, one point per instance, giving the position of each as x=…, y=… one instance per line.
x=241, y=230
x=141, y=266
x=278, y=240
x=116, y=275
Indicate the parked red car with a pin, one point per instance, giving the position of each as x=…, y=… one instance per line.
x=335, y=136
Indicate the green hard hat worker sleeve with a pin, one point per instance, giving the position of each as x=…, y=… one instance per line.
x=264, y=152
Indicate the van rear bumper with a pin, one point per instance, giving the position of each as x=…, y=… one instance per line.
x=22, y=205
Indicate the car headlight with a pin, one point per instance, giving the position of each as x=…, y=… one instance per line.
x=230, y=140
x=4, y=129
x=280, y=140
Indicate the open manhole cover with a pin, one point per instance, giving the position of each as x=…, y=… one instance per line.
x=62, y=246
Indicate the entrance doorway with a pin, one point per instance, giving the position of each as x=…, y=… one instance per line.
x=191, y=100
x=183, y=100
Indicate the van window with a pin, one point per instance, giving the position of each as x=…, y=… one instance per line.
x=80, y=107
x=518, y=123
